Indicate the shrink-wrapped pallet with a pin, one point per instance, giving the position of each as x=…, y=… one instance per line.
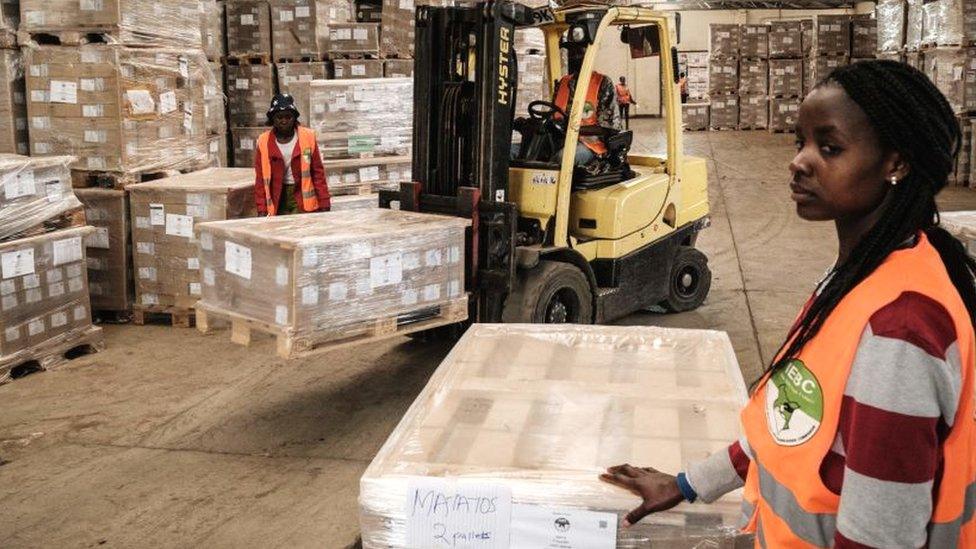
x=723, y=40
x=166, y=261
x=43, y=294
x=359, y=118
x=289, y=73
x=397, y=28
x=961, y=173
x=891, y=16
x=831, y=35
x=357, y=68
x=949, y=23
x=532, y=82
x=695, y=116
x=864, y=36
x=723, y=76
x=119, y=109
x=244, y=144
x=249, y=29
x=355, y=202
x=953, y=70
x=354, y=38
x=785, y=39
x=697, y=82
x=250, y=89
x=914, y=22
x=753, y=112
x=821, y=67
x=688, y=59
x=724, y=112
x=318, y=277
x=915, y=59
x=783, y=113
x=786, y=77
x=400, y=68
x=13, y=104
x=529, y=416
x=806, y=26
x=753, y=76
x=298, y=32
x=35, y=195
x=212, y=29
x=962, y=225
x=364, y=175
x=109, y=248
x=754, y=41
x=174, y=23
x=9, y=21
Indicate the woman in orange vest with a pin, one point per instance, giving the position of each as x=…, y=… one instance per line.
x=624, y=101
x=861, y=431
x=296, y=186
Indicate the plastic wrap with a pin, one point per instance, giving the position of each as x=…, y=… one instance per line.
x=724, y=112
x=913, y=25
x=961, y=225
x=398, y=68
x=359, y=118
x=173, y=23
x=786, y=77
x=212, y=29
x=723, y=75
x=244, y=143
x=723, y=40
x=108, y=248
x=397, y=28
x=753, y=112
x=529, y=40
x=785, y=39
x=896, y=56
x=9, y=21
x=831, y=35
x=891, y=16
x=360, y=175
x=687, y=59
x=915, y=59
x=165, y=253
x=695, y=116
x=35, y=195
x=357, y=68
x=355, y=202
x=864, y=36
x=532, y=82
x=358, y=38
x=949, y=23
x=806, y=25
x=322, y=275
x=754, y=41
x=13, y=104
x=289, y=73
x=953, y=70
x=697, y=82
x=539, y=411
x=821, y=67
x=754, y=76
x=43, y=290
x=119, y=109
x=298, y=32
x=783, y=112
x=250, y=89
x=248, y=29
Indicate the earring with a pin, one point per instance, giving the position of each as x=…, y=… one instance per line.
x=894, y=180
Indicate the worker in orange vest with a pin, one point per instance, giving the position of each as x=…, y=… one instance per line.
x=624, y=101
x=861, y=432
x=298, y=185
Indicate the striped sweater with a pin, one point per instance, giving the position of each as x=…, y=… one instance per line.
x=898, y=408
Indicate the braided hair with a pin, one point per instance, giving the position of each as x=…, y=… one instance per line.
x=912, y=117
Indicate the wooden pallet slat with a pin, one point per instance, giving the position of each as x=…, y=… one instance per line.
x=178, y=317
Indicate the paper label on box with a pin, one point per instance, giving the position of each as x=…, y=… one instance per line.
x=247, y=144
x=8, y=302
x=242, y=83
x=247, y=19
x=21, y=184
x=32, y=281
x=167, y=102
x=360, y=34
x=206, y=241
x=303, y=11
x=209, y=277
x=55, y=275
x=11, y=334
x=281, y=315
x=538, y=527
x=435, y=516
x=157, y=214
x=98, y=239
x=386, y=269
x=411, y=260
x=309, y=257
x=286, y=16
x=140, y=102
x=409, y=297
x=56, y=289
x=179, y=225
x=67, y=250
x=358, y=70
x=407, y=5
x=92, y=5
x=454, y=254
x=40, y=123
x=432, y=258
x=237, y=260
x=184, y=64
x=93, y=111
x=454, y=288
x=40, y=96
x=95, y=136
x=339, y=74
x=80, y=313
x=92, y=84
x=147, y=248
x=432, y=292
x=147, y=273
x=338, y=291
x=281, y=275
x=17, y=263
x=96, y=163
x=350, y=177
x=59, y=319
x=310, y=295
x=195, y=288
x=150, y=299
x=196, y=211
x=193, y=263
x=35, y=327
x=34, y=18
x=341, y=34
x=7, y=287
x=32, y=296
x=64, y=92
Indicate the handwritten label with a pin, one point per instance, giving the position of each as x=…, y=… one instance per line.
x=443, y=513
x=538, y=527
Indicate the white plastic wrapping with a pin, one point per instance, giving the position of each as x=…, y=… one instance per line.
x=961, y=225
x=723, y=40
x=949, y=23
x=13, y=104
x=359, y=175
x=539, y=411
x=891, y=16
x=35, y=195
x=9, y=21
x=913, y=25
x=953, y=70
x=109, y=248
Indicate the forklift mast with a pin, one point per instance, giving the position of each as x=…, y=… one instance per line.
x=465, y=86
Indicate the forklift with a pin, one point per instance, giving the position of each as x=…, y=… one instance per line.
x=550, y=241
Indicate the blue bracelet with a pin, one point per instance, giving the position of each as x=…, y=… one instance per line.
x=686, y=490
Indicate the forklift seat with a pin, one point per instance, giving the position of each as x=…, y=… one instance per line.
x=610, y=168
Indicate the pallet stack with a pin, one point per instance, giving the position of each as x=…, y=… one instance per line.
x=785, y=74
x=830, y=47
x=723, y=76
x=13, y=100
x=250, y=75
x=694, y=65
x=753, y=77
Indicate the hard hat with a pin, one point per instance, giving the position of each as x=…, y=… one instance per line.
x=282, y=102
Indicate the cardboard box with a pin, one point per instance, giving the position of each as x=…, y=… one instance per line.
x=896, y=56
x=753, y=77
x=697, y=82
x=215, y=103
x=891, y=15
x=723, y=75
x=953, y=70
x=962, y=171
x=250, y=89
x=695, y=116
x=175, y=23
x=355, y=202
x=962, y=225
x=397, y=28
x=915, y=59
x=9, y=21
x=358, y=68
x=949, y=23
x=244, y=144
x=723, y=40
x=864, y=36
x=34, y=193
x=318, y=275
x=166, y=263
x=361, y=38
x=785, y=39
x=754, y=41
x=297, y=31
x=806, y=25
x=692, y=59
x=288, y=73
x=248, y=28
x=532, y=82
x=119, y=109
x=831, y=35
x=109, y=249
x=753, y=112
x=43, y=290
x=783, y=112
x=821, y=67
x=402, y=68
x=381, y=173
x=13, y=104
x=724, y=112
x=212, y=29
x=913, y=25
x=533, y=412
x=786, y=77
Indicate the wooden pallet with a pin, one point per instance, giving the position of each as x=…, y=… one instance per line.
x=723, y=128
x=347, y=190
x=749, y=128
x=291, y=345
x=67, y=220
x=178, y=317
x=111, y=317
x=360, y=55
x=68, y=37
x=249, y=59
x=115, y=180
x=299, y=59
x=51, y=355
x=778, y=130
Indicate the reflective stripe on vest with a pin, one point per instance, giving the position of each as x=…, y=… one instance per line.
x=306, y=147
x=784, y=491
x=592, y=142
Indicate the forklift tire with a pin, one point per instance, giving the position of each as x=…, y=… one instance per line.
x=689, y=282
x=552, y=292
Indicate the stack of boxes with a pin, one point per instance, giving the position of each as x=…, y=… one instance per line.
x=785, y=74
x=13, y=101
x=723, y=76
x=250, y=74
x=830, y=49
x=695, y=111
x=754, y=77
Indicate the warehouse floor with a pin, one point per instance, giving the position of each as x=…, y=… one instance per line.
x=172, y=438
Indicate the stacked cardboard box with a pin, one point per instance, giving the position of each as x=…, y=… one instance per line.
x=9, y=21
x=35, y=196
x=724, y=112
x=355, y=202
x=248, y=69
x=723, y=75
x=695, y=66
x=864, y=36
x=13, y=104
x=913, y=25
x=354, y=38
x=831, y=46
x=297, y=31
x=250, y=89
x=109, y=249
x=289, y=73
x=962, y=171
x=249, y=29
x=215, y=116
x=165, y=254
x=403, y=68
x=754, y=41
x=244, y=144
x=785, y=40
x=953, y=70
x=891, y=17
x=397, y=28
x=212, y=29
x=366, y=175
x=358, y=68
x=786, y=77
x=695, y=116
x=532, y=82
x=783, y=113
x=948, y=23
x=753, y=112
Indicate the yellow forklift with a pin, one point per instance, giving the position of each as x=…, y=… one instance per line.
x=552, y=241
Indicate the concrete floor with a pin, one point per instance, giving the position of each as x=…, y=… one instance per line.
x=170, y=438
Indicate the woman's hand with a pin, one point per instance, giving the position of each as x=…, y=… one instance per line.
x=659, y=490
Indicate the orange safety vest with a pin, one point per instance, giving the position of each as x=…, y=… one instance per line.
x=592, y=142
x=785, y=501
x=623, y=95
x=306, y=146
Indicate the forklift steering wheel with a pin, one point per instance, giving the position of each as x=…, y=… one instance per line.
x=548, y=111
